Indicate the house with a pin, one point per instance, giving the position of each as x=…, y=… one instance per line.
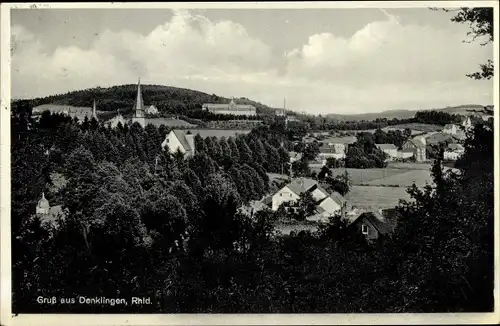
x=453, y=152
x=329, y=206
x=292, y=191
x=390, y=149
x=373, y=224
x=450, y=129
x=178, y=140
x=279, y=112
x=341, y=144
x=417, y=147
x=291, y=118
x=46, y=213
x=466, y=123
x=325, y=152
x=113, y=123
x=152, y=110
x=294, y=156
x=231, y=108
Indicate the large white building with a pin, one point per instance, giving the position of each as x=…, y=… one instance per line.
x=231, y=108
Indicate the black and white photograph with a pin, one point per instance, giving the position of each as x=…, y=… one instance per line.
x=249, y=158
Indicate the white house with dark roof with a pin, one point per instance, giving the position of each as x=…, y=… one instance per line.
x=179, y=140
x=390, y=149
x=416, y=146
x=292, y=191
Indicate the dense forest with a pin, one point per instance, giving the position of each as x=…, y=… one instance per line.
x=167, y=99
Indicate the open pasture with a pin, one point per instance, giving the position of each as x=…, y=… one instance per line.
x=406, y=179
x=372, y=197
x=417, y=127
x=363, y=176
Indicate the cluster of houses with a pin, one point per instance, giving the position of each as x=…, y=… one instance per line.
x=459, y=131
x=370, y=223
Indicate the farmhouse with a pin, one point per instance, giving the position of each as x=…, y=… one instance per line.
x=152, y=110
x=326, y=204
x=417, y=147
x=292, y=191
x=450, y=129
x=373, y=224
x=326, y=152
x=390, y=149
x=231, y=108
x=453, y=152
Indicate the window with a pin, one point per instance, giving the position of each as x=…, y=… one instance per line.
x=281, y=195
x=364, y=228
x=168, y=140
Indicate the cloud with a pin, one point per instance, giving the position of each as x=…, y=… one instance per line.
x=384, y=65
x=388, y=52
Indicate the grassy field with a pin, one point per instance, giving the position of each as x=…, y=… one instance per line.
x=406, y=179
x=362, y=176
x=169, y=122
x=372, y=197
x=418, y=127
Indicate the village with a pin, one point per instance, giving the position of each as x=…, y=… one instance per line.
x=369, y=205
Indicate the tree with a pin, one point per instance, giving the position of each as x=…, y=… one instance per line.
x=307, y=206
x=480, y=21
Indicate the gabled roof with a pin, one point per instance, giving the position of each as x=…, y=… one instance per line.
x=338, y=198
x=340, y=140
x=300, y=185
x=378, y=222
x=386, y=146
x=416, y=143
x=329, y=149
x=449, y=126
x=181, y=136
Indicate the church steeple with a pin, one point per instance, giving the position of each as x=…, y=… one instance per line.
x=94, y=111
x=139, y=102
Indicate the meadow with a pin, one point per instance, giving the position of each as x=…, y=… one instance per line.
x=373, y=197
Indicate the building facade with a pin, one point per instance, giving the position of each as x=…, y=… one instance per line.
x=230, y=109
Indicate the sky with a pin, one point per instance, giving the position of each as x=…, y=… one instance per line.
x=321, y=60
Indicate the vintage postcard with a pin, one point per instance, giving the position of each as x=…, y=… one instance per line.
x=246, y=163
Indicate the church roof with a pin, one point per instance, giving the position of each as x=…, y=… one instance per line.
x=181, y=136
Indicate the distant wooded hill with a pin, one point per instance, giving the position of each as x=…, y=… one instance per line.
x=406, y=114
x=167, y=99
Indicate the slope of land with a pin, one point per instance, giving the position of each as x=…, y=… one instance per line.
x=122, y=97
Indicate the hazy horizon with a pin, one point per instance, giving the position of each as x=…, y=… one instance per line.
x=328, y=61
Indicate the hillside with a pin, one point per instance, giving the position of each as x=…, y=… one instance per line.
x=167, y=99
x=405, y=114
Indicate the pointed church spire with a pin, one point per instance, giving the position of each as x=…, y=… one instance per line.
x=94, y=111
x=139, y=103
